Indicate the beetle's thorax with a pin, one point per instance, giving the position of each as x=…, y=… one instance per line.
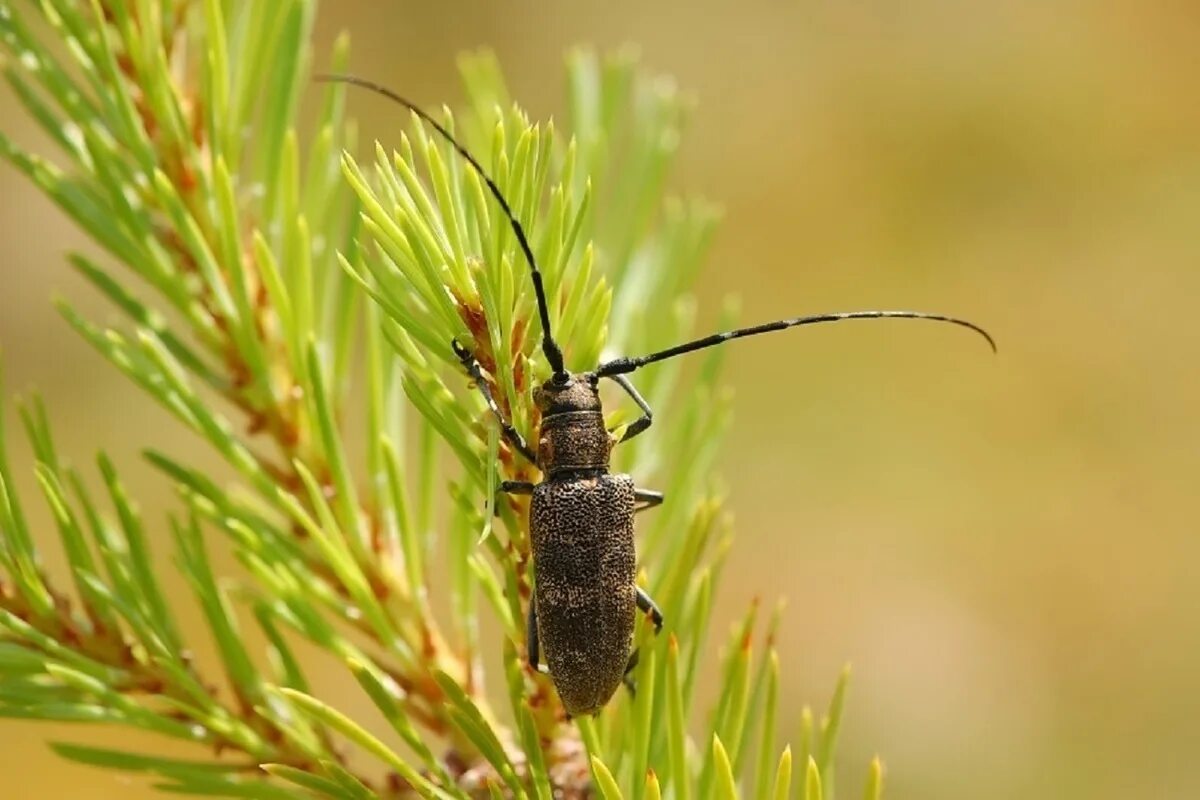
x=573, y=439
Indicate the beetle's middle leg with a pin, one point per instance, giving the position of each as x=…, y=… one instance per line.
x=511, y=487
x=511, y=435
x=647, y=498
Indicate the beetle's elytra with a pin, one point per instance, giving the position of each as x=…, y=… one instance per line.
x=582, y=533
x=582, y=614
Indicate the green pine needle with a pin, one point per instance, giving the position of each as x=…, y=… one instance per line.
x=259, y=274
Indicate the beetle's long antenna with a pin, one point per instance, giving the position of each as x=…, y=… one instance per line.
x=620, y=366
x=549, y=346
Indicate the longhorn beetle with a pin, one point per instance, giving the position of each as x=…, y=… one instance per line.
x=585, y=599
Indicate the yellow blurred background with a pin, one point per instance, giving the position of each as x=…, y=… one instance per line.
x=1005, y=547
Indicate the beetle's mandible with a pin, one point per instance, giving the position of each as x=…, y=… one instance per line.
x=582, y=614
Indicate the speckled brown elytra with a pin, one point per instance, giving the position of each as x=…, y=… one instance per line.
x=583, y=609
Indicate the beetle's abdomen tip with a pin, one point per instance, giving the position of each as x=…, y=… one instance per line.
x=585, y=701
x=588, y=710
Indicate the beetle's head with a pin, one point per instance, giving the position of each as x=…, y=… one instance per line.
x=572, y=436
x=568, y=392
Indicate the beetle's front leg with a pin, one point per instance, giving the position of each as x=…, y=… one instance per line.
x=511, y=435
x=641, y=423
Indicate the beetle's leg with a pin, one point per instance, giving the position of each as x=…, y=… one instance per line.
x=627, y=679
x=514, y=439
x=641, y=423
x=511, y=487
x=648, y=499
x=648, y=606
x=533, y=649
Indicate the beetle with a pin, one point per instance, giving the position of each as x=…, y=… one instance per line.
x=584, y=606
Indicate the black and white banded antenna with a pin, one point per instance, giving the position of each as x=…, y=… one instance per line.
x=622, y=366
x=550, y=348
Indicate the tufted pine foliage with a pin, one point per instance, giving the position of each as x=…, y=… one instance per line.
x=260, y=274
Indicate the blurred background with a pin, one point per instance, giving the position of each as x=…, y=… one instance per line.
x=1004, y=547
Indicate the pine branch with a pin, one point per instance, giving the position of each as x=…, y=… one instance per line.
x=256, y=273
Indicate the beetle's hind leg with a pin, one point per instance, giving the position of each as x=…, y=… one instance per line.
x=533, y=653
x=511, y=435
x=646, y=606
x=630, y=665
